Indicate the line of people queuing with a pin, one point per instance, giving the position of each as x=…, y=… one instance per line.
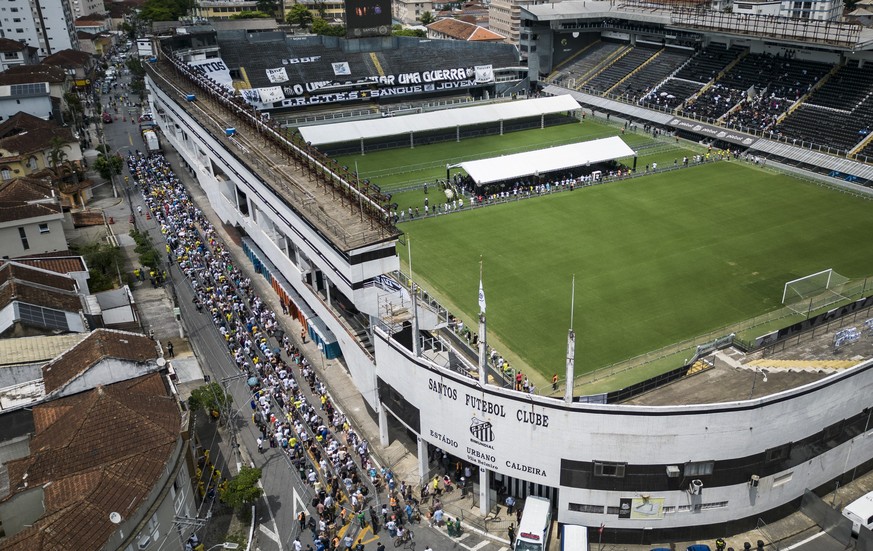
x=318, y=440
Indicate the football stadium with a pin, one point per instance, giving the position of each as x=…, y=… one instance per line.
x=641, y=234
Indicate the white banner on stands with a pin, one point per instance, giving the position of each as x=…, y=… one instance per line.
x=484, y=73
x=277, y=75
x=214, y=69
x=341, y=69
x=271, y=94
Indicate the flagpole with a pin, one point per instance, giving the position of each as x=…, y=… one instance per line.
x=571, y=348
x=416, y=342
x=483, y=360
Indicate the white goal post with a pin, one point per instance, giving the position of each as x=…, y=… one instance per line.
x=809, y=293
x=798, y=286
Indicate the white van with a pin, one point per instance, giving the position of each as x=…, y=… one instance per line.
x=574, y=538
x=536, y=522
x=860, y=512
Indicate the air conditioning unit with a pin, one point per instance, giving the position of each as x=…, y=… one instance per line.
x=754, y=481
x=144, y=543
x=695, y=487
x=672, y=471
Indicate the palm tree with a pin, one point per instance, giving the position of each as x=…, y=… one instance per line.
x=66, y=174
x=58, y=159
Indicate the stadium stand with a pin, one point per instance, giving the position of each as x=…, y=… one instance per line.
x=709, y=62
x=621, y=67
x=639, y=83
x=259, y=52
x=839, y=114
x=760, y=87
x=671, y=94
x=587, y=64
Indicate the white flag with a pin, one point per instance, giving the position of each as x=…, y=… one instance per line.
x=481, y=298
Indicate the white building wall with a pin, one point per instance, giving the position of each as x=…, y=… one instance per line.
x=196, y=145
x=11, y=244
x=60, y=32
x=7, y=317
x=37, y=106
x=449, y=404
x=18, y=23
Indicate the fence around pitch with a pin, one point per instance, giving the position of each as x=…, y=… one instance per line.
x=745, y=336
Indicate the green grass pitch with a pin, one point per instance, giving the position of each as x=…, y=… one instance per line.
x=657, y=259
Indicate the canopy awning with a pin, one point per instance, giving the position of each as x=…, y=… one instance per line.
x=436, y=120
x=541, y=161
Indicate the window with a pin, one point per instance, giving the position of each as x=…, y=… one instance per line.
x=6, y=173
x=31, y=163
x=23, y=236
x=778, y=453
x=615, y=470
x=699, y=468
x=714, y=505
x=44, y=228
x=782, y=479
x=586, y=508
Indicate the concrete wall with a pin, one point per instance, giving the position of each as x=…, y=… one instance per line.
x=523, y=426
x=199, y=149
x=54, y=240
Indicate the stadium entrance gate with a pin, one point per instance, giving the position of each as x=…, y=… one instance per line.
x=520, y=489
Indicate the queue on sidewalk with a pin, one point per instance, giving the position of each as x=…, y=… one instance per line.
x=315, y=437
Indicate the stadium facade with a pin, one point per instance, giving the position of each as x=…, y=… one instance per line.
x=667, y=471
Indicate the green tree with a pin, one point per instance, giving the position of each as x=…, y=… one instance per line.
x=426, y=18
x=57, y=155
x=320, y=26
x=103, y=261
x=298, y=15
x=165, y=10
x=135, y=66
x=418, y=33
x=242, y=489
x=129, y=28
x=268, y=6
x=210, y=397
x=107, y=165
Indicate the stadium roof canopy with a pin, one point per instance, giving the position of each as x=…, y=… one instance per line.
x=541, y=161
x=435, y=120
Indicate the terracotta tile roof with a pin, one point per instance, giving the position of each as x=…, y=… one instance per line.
x=37, y=287
x=30, y=274
x=461, y=30
x=100, y=344
x=9, y=45
x=22, y=122
x=24, y=74
x=58, y=264
x=22, y=134
x=22, y=198
x=10, y=212
x=482, y=34
x=91, y=18
x=68, y=58
x=83, y=35
x=94, y=453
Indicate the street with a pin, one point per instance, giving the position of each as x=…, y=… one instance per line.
x=285, y=493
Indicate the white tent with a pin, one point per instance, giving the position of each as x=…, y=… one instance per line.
x=435, y=120
x=542, y=161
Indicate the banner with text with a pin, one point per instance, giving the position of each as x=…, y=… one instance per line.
x=277, y=75
x=214, y=69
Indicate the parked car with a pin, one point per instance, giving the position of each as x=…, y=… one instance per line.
x=107, y=118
